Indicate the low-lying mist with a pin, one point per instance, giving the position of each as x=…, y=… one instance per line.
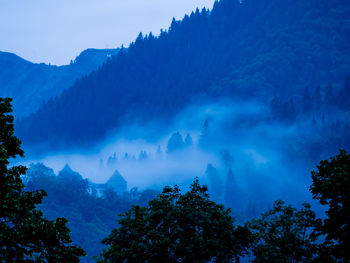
x=237, y=148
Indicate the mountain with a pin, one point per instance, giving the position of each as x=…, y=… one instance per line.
x=250, y=50
x=30, y=84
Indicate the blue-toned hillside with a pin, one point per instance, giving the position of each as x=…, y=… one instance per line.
x=30, y=84
x=251, y=50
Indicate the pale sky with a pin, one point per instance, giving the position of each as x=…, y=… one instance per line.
x=57, y=31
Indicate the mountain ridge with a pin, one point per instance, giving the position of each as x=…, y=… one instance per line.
x=30, y=84
x=236, y=50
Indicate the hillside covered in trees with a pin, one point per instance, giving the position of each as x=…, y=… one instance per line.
x=242, y=100
x=91, y=209
x=251, y=50
x=172, y=227
x=31, y=84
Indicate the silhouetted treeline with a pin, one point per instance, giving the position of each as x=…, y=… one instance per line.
x=252, y=49
x=323, y=100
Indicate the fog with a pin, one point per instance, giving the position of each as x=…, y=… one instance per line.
x=234, y=147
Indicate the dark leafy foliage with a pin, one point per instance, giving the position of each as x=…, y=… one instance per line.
x=91, y=215
x=25, y=234
x=331, y=186
x=177, y=228
x=284, y=234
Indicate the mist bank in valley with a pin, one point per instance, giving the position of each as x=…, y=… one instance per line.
x=246, y=152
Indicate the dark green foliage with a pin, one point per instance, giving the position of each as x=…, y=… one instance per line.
x=177, y=228
x=284, y=234
x=25, y=234
x=331, y=186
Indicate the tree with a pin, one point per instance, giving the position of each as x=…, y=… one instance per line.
x=159, y=153
x=25, y=234
x=284, y=234
x=331, y=186
x=226, y=158
x=216, y=184
x=205, y=134
x=143, y=156
x=73, y=181
x=175, y=143
x=177, y=227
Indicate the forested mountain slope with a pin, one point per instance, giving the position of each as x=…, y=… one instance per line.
x=255, y=49
x=30, y=84
x=91, y=216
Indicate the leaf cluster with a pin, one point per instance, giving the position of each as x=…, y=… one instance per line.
x=331, y=186
x=25, y=234
x=177, y=227
x=284, y=234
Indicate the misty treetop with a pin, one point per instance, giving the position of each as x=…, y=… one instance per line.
x=285, y=234
x=177, y=227
x=255, y=49
x=279, y=235
x=171, y=227
x=177, y=143
x=189, y=227
x=263, y=84
x=90, y=208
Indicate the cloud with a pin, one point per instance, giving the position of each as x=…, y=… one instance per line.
x=263, y=164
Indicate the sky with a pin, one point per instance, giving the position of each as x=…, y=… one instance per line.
x=56, y=32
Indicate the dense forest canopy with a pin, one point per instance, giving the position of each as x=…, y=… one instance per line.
x=255, y=49
x=247, y=96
